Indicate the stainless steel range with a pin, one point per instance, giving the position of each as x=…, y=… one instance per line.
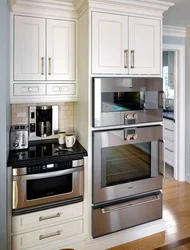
x=128, y=161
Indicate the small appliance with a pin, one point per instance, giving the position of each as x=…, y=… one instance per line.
x=19, y=137
x=43, y=121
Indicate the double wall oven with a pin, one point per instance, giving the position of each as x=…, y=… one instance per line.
x=128, y=161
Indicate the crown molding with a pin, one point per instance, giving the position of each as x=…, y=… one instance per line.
x=57, y=8
x=147, y=7
x=174, y=31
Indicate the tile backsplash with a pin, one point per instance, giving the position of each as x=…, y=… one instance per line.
x=19, y=114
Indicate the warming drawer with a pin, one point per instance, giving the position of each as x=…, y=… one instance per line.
x=109, y=219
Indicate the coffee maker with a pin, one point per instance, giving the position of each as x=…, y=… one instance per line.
x=43, y=121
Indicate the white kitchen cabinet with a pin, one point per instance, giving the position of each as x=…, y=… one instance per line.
x=29, y=48
x=125, y=45
x=144, y=46
x=168, y=134
x=109, y=43
x=46, y=235
x=32, y=62
x=61, y=50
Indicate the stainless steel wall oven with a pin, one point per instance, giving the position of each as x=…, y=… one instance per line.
x=127, y=101
x=127, y=162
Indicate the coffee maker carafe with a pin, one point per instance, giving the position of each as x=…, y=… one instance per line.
x=43, y=121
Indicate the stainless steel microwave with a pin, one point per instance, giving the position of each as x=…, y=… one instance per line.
x=127, y=101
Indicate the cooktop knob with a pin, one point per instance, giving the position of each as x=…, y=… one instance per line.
x=16, y=144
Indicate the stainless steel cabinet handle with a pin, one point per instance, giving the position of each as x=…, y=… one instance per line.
x=42, y=237
x=169, y=150
x=49, y=217
x=161, y=99
x=130, y=204
x=161, y=165
x=49, y=59
x=126, y=59
x=42, y=72
x=132, y=59
x=169, y=129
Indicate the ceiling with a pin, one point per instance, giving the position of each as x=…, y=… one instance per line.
x=178, y=15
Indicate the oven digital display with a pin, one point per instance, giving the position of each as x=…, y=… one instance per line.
x=50, y=166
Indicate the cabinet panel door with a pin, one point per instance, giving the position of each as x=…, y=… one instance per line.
x=29, y=48
x=61, y=51
x=145, y=46
x=109, y=44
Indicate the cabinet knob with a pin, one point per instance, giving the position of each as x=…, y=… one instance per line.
x=29, y=89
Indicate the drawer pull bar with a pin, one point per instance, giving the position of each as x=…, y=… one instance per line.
x=49, y=217
x=169, y=129
x=169, y=150
x=42, y=237
x=128, y=205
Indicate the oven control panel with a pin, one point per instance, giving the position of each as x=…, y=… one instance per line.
x=44, y=168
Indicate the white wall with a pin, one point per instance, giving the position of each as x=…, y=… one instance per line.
x=4, y=118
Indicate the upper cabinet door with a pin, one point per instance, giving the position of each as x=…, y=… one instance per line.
x=144, y=46
x=61, y=50
x=109, y=44
x=29, y=48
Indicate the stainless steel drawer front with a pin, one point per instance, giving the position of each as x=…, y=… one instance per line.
x=114, y=218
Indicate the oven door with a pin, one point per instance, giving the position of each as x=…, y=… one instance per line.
x=127, y=162
x=127, y=101
x=39, y=189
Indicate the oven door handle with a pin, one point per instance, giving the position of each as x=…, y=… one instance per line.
x=48, y=175
x=161, y=164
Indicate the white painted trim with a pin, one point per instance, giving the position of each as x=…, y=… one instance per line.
x=44, y=8
x=126, y=236
x=42, y=99
x=153, y=5
x=174, y=31
x=180, y=118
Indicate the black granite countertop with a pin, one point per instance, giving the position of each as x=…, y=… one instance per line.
x=44, y=152
x=169, y=115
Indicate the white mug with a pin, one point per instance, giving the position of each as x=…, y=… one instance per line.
x=61, y=137
x=70, y=140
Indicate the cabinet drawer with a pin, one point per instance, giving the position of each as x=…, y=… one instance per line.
x=61, y=89
x=122, y=216
x=168, y=154
x=169, y=145
x=44, y=218
x=47, y=235
x=29, y=89
x=168, y=133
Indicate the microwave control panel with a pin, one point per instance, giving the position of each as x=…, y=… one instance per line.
x=44, y=168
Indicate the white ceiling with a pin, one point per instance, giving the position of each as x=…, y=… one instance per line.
x=179, y=14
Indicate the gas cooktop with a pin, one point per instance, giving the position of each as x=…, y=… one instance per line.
x=44, y=150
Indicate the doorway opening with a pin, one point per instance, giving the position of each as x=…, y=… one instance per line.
x=174, y=106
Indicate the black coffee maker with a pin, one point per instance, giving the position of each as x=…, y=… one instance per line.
x=44, y=121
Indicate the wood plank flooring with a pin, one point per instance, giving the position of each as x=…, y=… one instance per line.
x=177, y=216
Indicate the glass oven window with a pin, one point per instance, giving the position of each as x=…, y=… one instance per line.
x=129, y=101
x=49, y=186
x=126, y=163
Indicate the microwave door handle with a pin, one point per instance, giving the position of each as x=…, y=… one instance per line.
x=161, y=164
x=48, y=175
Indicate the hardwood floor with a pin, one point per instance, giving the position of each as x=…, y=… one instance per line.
x=177, y=216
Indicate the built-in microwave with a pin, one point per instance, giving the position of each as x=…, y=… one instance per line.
x=127, y=101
